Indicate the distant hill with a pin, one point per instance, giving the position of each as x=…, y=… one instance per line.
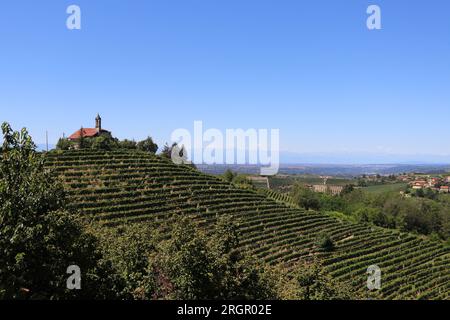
x=123, y=187
x=333, y=169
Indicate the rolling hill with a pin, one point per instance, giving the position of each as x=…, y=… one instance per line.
x=119, y=187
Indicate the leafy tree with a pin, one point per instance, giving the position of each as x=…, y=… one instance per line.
x=315, y=284
x=64, y=144
x=128, y=248
x=127, y=144
x=180, y=153
x=188, y=264
x=147, y=145
x=167, y=150
x=39, y=239
x=348, y=188
x=229, y=176
x=420, y=193
x=103, y=142
x=209, y=267
x=242, y=181
x=238, y=179
x=305, y=197
x=325, y=242
x=311, y=282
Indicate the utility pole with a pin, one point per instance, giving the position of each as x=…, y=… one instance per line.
x=46, y=139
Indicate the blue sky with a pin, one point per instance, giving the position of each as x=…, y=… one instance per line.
x=310, y=68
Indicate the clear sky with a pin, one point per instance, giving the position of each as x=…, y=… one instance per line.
x=310, y=68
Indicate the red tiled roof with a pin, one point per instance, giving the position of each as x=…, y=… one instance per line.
x=87, y=132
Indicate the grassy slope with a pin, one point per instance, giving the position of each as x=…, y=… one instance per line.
x=122, y=186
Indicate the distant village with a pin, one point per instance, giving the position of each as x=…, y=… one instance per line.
x=416, y=182
x=435, y=183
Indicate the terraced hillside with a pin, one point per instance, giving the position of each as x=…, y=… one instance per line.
x=129, y=186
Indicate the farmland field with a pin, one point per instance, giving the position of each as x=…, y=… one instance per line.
x=393, y=187
x=122, y=187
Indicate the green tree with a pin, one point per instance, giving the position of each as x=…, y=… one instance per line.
x=348, y=188
x=325, y=242
x=315, y=284
x=64, y=144
x=147, y=145
x=167, y=150
x=305, y=197
x=39, y=239
x=229, y=176
x=181, y=261
x=103, y=142
x=127, y=144
x=242, y=181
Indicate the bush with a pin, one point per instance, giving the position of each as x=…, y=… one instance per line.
x=147, y=145
x=64, y=144
x=103, y=143
x=311, y=282
x=305, y=197
x=325, y=242
x=127, y=144
x=185, y=263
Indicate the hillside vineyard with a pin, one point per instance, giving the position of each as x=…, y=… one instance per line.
x=120, y=187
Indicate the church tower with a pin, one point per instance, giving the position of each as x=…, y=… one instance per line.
x=98, y=123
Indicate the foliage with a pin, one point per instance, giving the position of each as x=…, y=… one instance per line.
x=348, y=188
x=64, y=144
x=39, y=240
x=167, y=151
x=147, y=145
x=127, y=144
x=128, y=247
x=305, y=197
x=426, y=213
x=240, y=180
x=325, y=242
x=188, y=264
x=310, y=281
x=229, y=176
x=103, y=142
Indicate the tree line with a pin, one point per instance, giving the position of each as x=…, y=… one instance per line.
x=428, y=216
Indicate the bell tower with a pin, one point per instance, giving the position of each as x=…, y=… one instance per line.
x=98, y=123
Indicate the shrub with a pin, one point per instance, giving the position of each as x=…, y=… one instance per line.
x=325, y=242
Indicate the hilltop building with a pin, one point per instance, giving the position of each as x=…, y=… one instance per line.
x=90, y=132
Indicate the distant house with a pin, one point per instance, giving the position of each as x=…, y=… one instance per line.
x=419, y=184
x=90, y=132
x=433, y=181
x=444, y=189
